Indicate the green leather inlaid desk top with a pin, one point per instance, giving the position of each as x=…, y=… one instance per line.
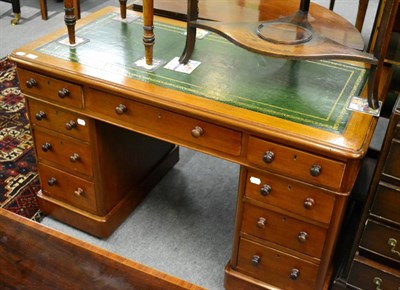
x=313, y=93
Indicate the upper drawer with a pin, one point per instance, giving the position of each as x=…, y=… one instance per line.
x=386, y=202
x=174, y=127
x=381, y=239
x=295, y=163
x=56, y=119
x=369, y=275
x=283, y=230
x=67, y=152
x=392, y=163
x=276, y=268
x=288, y=194
x=50, y=88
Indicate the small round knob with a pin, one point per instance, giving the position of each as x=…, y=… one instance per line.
x=31, y=83
x=69, y=125
x=309, y=203
x=294, y=274
x=63, y=93
x=52, y=181
x=40, y=115
x=120, y=109
x=74, y=157
x=79, y=192
x=302, y=237
x=197, y=132
x=265, y=190
x=315, y=170
x=46, y=146
x=255, y=260
x=269, y=156
x=261, y=223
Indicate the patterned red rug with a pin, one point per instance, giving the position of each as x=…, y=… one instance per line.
x=18, y=175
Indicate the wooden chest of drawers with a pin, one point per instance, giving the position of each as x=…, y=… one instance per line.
x=376, y=264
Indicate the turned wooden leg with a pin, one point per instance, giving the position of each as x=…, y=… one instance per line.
x=16, y=8
x=70, y=20
x=122, y=7
x=43, y=9
x=148, y=34
x=192, y=15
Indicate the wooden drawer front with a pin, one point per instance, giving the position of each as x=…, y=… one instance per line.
x=68, y=188
x=67, y=152
x=50, y=88
x=295, y=163
x=368, y=276
x=381, y=239
x=387, y=201
x=397, y=130
x=169, y=124
x=392, y=163
x=275, y=267
x=288, y=194
x=65, y=122
x=283, y=230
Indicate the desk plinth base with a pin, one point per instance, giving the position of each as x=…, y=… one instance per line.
x=104, y=226
x=235, y=280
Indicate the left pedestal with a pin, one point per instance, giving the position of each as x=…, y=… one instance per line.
x=92, y=174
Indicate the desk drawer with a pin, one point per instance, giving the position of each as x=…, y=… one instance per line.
x=291, y=195
x=369, y=275
x=175, y=127
x=392, y=163
x=56, y=119
x=64, y=151
x=283, y=230
x=386, y=202
x=274, y=267
x=50, y=88
x=295, y=163
x=68, y=188
x=381, y=239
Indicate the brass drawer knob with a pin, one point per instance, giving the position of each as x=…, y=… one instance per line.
x=392, y=243
x=63, y=93
x=74, y=157
x=309, y=203
x=46, y=147
x=71, y=124
x=197, y=132
x=378, y=283
x=40, y=115
x=302, y=237
x=120, y=109
x=52, y=181
x=79, y=192
x=255, y=260
x=315, y=170
x=261, y=222
x=265, y=190
x=294, y=274
x=269, y=156
x=31, y=83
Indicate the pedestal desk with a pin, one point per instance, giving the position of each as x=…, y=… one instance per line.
x=105, y=131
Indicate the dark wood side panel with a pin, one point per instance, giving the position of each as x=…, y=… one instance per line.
x=33, y=256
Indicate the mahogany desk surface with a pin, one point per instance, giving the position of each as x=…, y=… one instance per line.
x=286, y=100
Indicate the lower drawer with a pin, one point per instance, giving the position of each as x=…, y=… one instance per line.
x=369, y=275
x=283, y=230
x=274, y=267
x=68, y=188
x=381, y=239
